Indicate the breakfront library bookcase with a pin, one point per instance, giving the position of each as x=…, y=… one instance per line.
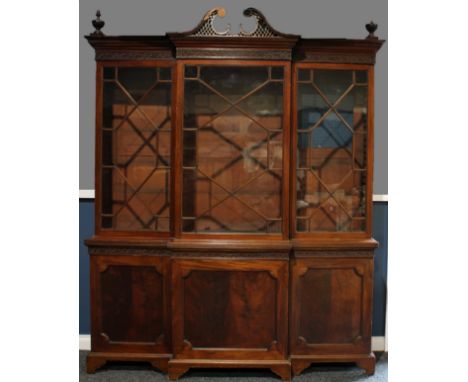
x=233, y=199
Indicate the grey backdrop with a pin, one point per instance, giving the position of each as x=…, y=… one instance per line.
x=312, y=19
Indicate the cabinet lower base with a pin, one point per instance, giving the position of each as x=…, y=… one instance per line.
x=178, y=367
x=96, y=360
x=175, y=368
x=301, y=362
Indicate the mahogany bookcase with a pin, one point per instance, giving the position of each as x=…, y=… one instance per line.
x=233, y=199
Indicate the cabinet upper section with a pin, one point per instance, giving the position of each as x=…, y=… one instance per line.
x=214, y=135
x=263, y=42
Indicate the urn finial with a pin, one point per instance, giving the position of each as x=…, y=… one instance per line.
x=98, y=24
x=371, y=28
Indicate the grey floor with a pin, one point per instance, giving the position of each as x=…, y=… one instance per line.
x=139, y=372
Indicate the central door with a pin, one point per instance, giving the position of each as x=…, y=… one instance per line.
x=235, y=138
x=229, y=309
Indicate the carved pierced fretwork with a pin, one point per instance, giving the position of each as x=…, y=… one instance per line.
x=262, y=29
x=206, y=26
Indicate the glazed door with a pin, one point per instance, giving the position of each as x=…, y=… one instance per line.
x=235, y=154
x=133, y=148
x=333, y=150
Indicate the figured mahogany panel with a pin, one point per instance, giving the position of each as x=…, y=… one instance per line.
x=335, y=294
x=331, y=301
x=129, y=303
x=229, y=308
x=132, y=303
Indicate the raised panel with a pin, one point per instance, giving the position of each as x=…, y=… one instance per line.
x=331, y=300
x=331, y=311
x=230, y=308
x=130, y=303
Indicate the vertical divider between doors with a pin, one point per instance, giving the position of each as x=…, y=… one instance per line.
x=177, y=147
x=97, y=151
x=370, y=149
x=286, y=151
x=292, y=168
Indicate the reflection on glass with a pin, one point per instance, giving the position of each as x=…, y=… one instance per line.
x=233, y=151
x=136, y=136
x=331, y=150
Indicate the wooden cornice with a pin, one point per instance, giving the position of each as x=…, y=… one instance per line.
x=131, y=47
x=353, y=51
x=299, y=50
x=263, y=42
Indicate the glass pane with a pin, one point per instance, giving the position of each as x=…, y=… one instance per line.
x=136, y=150
x=191, y=71
x=109, y=73
x=277, y=73
x=234, y=82
x=361, y=77
x=136, y=81
x=303, y=74
x=165, y=74
x=265, y=106
x=233, y=150
x=331, y=152
x=332, y=83
x=310, y=106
